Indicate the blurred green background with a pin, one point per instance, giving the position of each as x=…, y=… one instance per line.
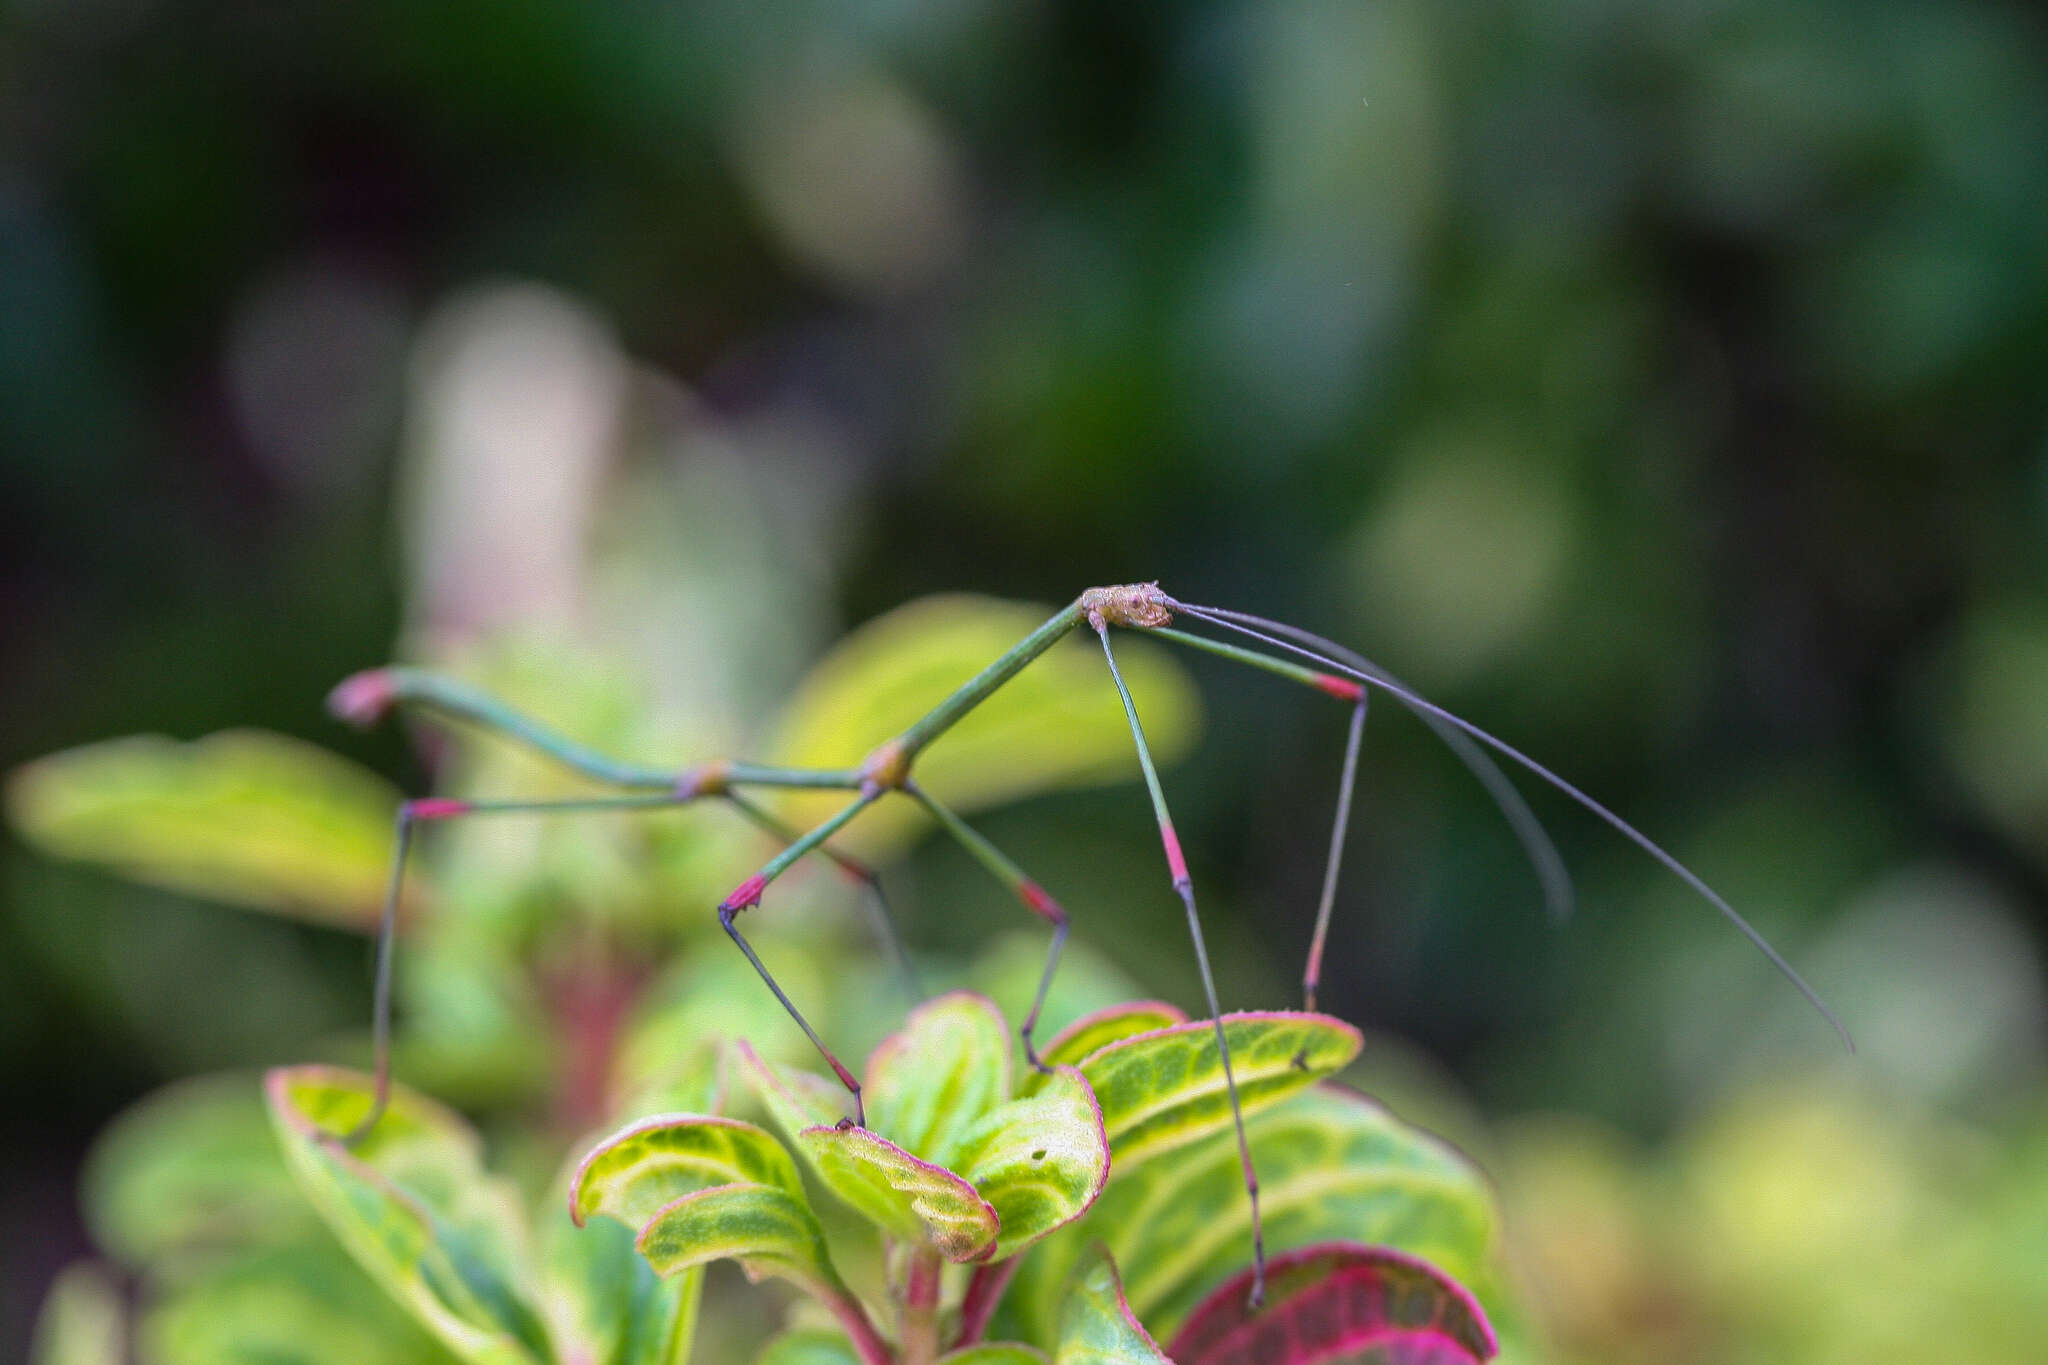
x=1663, y=386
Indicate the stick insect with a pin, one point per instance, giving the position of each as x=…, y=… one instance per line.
x=1289, y=652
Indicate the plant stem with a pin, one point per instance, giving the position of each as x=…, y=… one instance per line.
x=854, y=1318
x=920, y=1317
x=984, y=1291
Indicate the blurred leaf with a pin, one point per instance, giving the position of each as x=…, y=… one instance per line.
x=633, y=1173
x=1339, y=1303
x=308, y=1305
x=1093, y=1032
x=81, y=1322
x=1009, y=969
x=191, y=1173
x=1332, y=1166
x=1039, y=1162
x=244, y=816
x=1055, y=725
x=1097, y=1326
x=606, y=1303
x=930, y=1083
x=412, y=1203
x=809, y=1346
x=995, y=1353
x=1164, y=1089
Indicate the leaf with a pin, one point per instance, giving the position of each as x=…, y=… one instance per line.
x=412, y=1204
x=1039, y=1162
x=1097, y=1326
x=81, y=1322
x=809, y=1346
x=1057, y=724
x=247, y=817
x=905, y=1196
x=1340, y=1304
x=1092, y=1032
x=928, y=1085
x=1332, y=1164
x=633, y=1173
x=995, y=1353
x=1164, y=1089
x=307, y=1304
x=767, y=1230
x=190, y=1174
x=607, y=1303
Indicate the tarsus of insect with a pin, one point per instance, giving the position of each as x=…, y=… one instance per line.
x=1337, y=672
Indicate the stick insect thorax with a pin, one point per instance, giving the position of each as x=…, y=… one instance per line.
x=1316, y=663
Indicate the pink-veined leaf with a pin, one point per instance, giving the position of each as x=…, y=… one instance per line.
x=1339, y=1304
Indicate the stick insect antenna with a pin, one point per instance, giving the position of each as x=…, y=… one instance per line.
x=1316, y=648
x=1184, y=887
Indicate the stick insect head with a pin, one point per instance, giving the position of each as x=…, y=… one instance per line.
x=1139, y=606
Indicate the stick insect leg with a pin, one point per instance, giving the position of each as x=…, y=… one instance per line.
x=1319, y=650
x=1024, y=888
x=411, y=814
x=747, y=895
x=1184, y=887
x=876, y=901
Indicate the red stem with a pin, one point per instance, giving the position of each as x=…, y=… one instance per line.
x=920, y=1327
x=854, y=1318
x=984, y=1291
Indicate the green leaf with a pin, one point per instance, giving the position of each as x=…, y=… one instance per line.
x=190, y=1174
x=1340, y=1304
x=633, y=1173
x=767, y=1230
x=308, y=1305
x=412, y=1204
x=1165, y=1089
x=1091, y=1033
x=81, y=1322
x=247, y=817
x=809, y=1346
x=929, y=1085
x=1333, y=1166
x=607, y=1303
x=995, y=1353
x=1039, y=1162
x=901, y=1194
x=1057, y=724
x=1096, y=1324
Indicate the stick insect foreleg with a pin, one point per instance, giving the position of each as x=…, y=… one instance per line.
x=1303, y=644
x=1184, y=887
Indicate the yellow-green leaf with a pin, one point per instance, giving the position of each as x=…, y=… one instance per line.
x=1039, y=1162
x=1164, y=1089
x=1057, y=724
x=247, y=817
x=412, y=1204
x=633, y=1173
x=1091, y=1033
x=767, y=1230
x=606, y=1303
x=903, y=1195
x=1096, y=1324
x=928, y=1085
x=1332, y=1164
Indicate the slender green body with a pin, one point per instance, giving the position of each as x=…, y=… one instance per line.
x=976, y=689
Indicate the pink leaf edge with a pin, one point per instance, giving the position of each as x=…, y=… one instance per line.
x=1334, y=1302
